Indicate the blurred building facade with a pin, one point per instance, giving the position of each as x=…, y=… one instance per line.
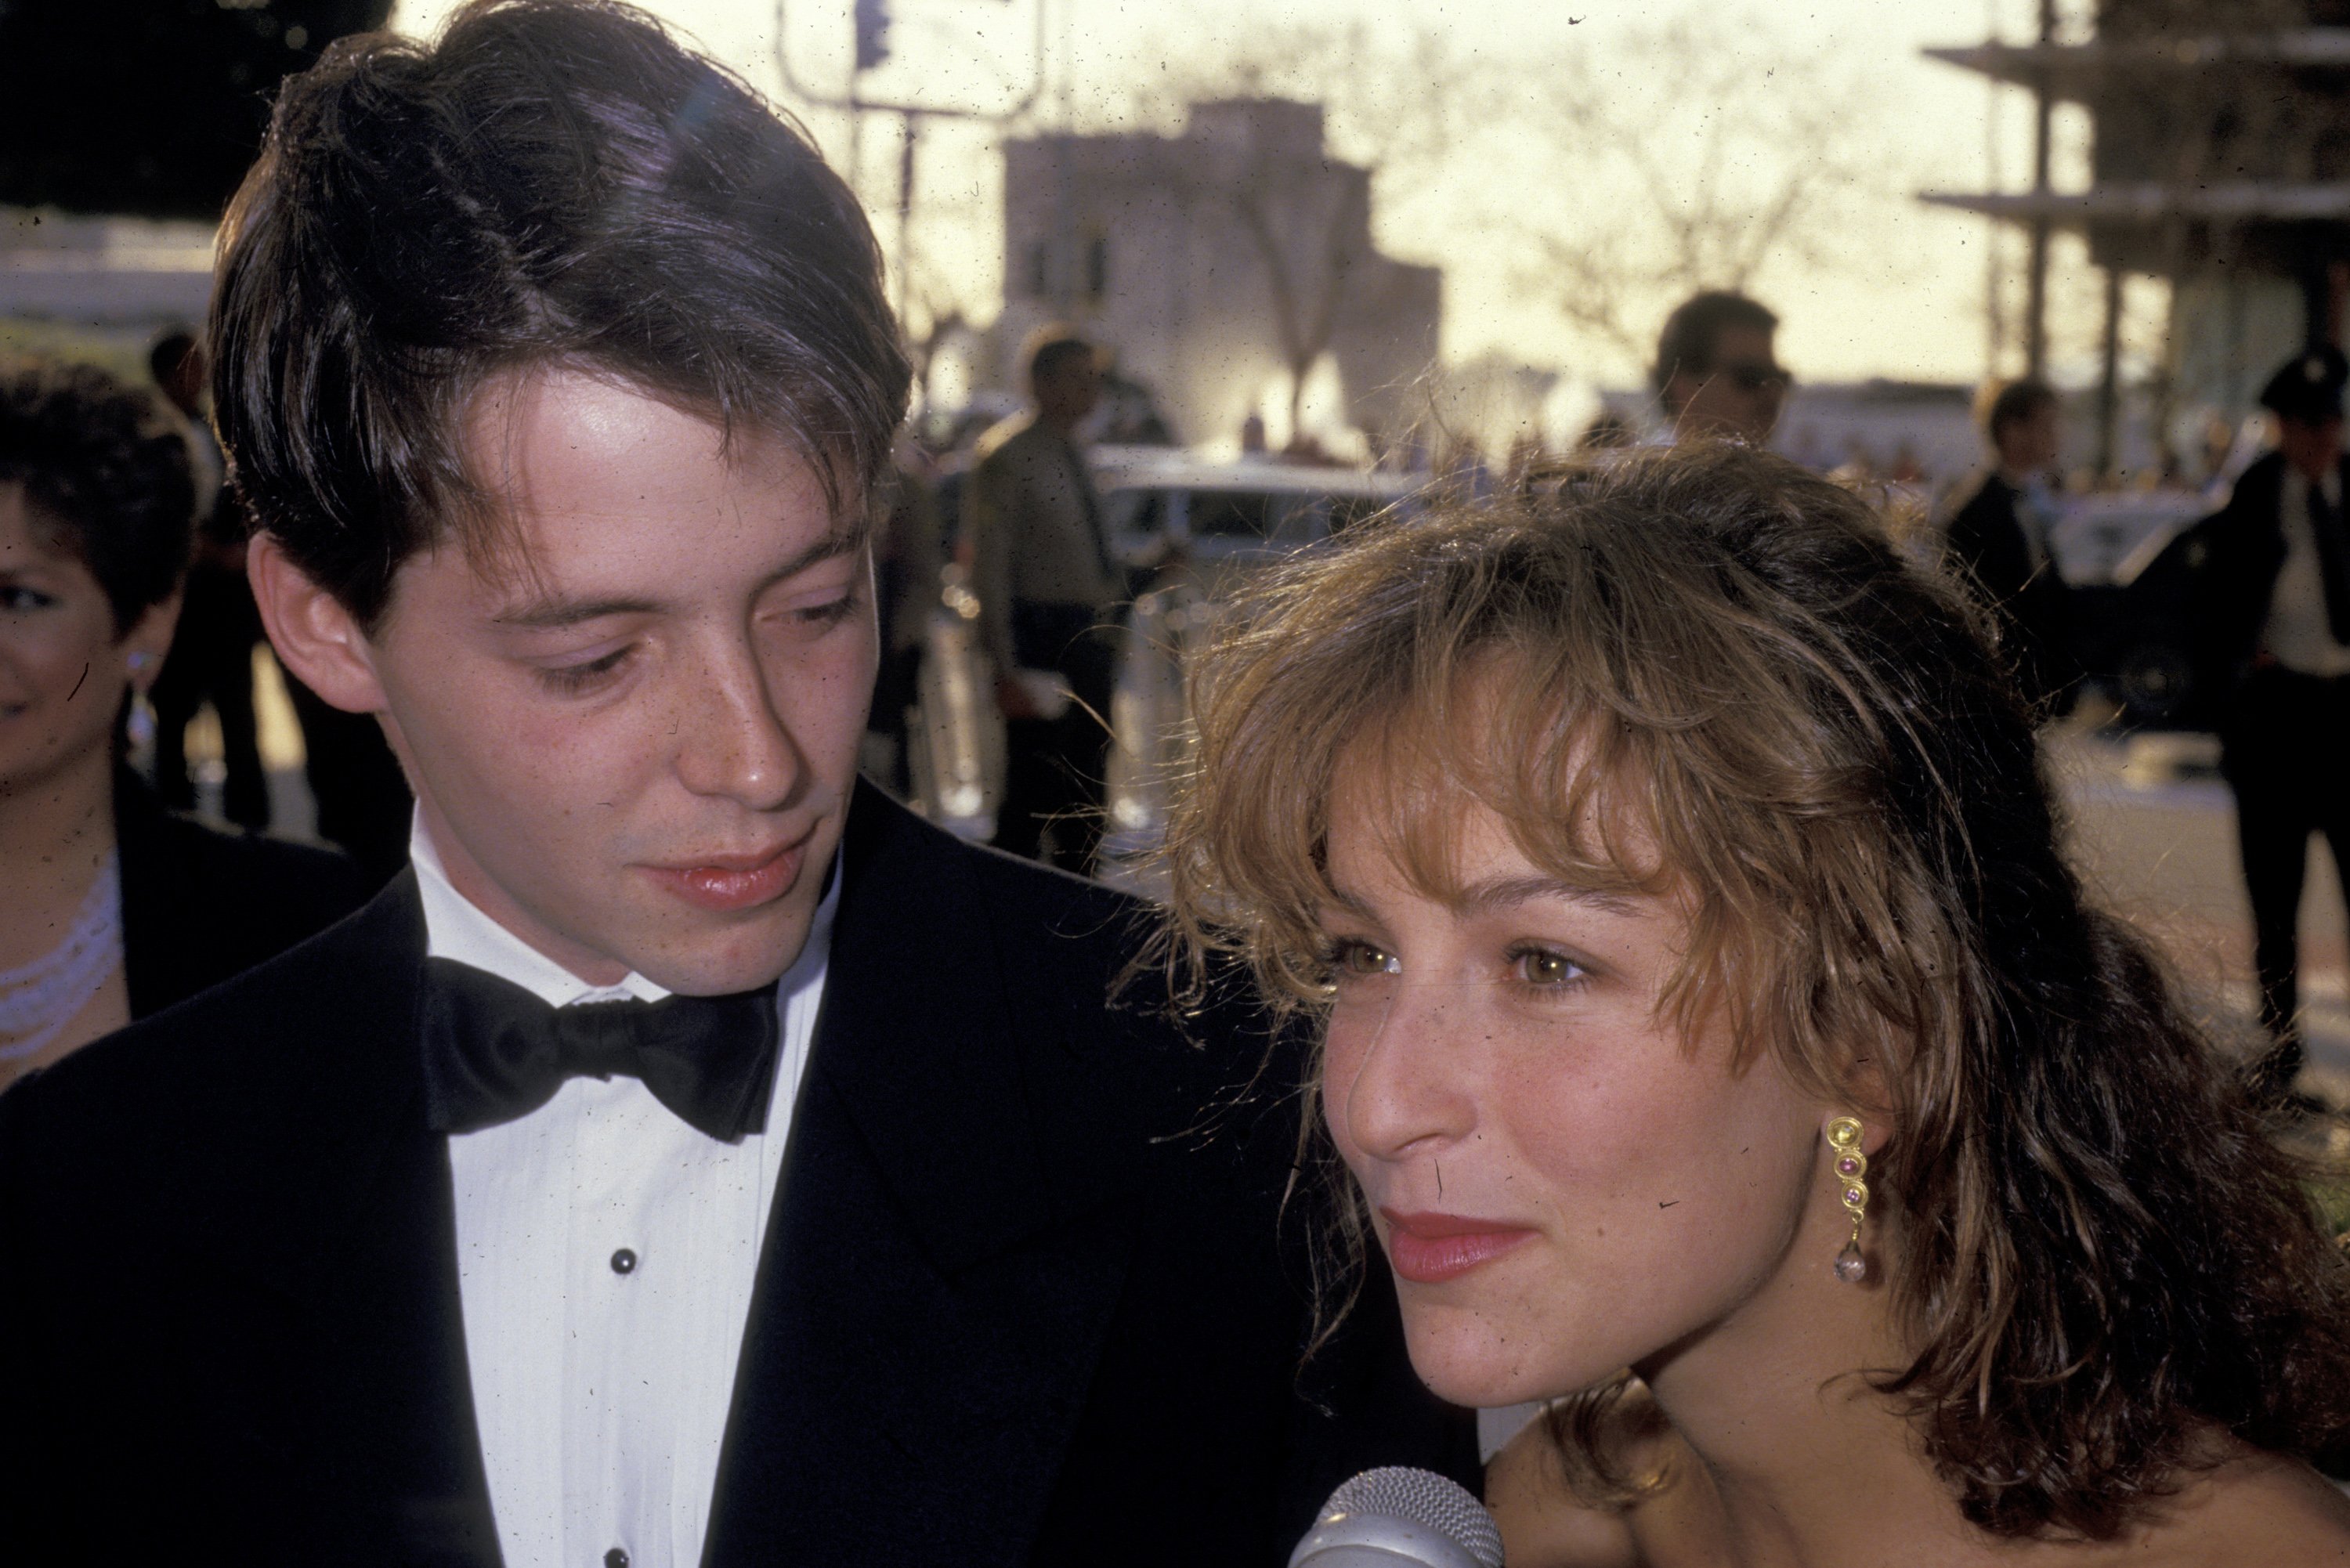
x=2221, y=163
x=1222, y=265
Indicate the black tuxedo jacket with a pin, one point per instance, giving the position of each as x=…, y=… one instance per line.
x=1013, y=1306
x=1986, y=537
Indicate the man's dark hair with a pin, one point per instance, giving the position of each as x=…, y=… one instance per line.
x=1052, y=348
x=167, y=354
x=106, y=476
x=1693, y=332
x=553, y=181
x=2017, y=402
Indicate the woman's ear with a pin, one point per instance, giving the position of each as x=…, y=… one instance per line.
x=1866, y=1096
x=317, y=637
x=149, y=642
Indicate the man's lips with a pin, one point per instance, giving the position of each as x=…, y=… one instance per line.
x=1429, y=1248
x=730, y=882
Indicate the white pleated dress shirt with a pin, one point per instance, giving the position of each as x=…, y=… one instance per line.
x=2298, y=631
x=606, y=1252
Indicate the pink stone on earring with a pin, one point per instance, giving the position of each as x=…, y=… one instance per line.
x=1844, y=1135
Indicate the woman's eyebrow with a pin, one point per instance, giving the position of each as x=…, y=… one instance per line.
x=1507, y=892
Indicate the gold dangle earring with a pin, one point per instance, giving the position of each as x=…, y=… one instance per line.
x=1851, y=1167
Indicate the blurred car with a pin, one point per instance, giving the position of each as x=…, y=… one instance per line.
x=2131, y=560
x=1192, y=530
x=1162, y=503
x=1185, y=530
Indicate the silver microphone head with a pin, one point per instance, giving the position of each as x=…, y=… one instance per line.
x=1400, y=1517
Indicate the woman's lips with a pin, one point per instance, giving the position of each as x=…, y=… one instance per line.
x=733, y=882
x=1429, y=1248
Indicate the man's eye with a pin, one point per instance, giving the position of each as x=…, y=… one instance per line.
x=831, y=613
x=1543, y=967
x=572, y=679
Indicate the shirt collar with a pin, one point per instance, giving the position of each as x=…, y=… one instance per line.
x=457, y=928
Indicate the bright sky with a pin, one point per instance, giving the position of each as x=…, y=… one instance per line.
x=1897, y=288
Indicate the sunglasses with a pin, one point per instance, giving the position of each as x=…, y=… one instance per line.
x=1757, y=377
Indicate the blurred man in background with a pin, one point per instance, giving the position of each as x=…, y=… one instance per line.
x=2277, y=616
x=1047, y=585
x=2000, y=539
x=908, y=553
x=212, y=653
x=1716, y=373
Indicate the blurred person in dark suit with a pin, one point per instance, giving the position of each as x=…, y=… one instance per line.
x=908, y=555
x=1047, y=589
x=694, y=1157
x=364, y=806
x=212, y=653
x=2276, y=634
x=362, y=803
x=2000, y=538
x=1717, y=372
x=114, y=907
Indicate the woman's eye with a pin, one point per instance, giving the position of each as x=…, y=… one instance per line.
x=572, y=679
x=15, y=597
x=1362, y=958
x=1542, y=967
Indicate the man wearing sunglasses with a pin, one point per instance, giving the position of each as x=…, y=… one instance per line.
x=1716, y=374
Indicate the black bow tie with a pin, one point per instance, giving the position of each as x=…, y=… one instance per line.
x=494, y=1053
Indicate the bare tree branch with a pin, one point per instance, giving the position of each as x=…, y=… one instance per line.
x=1392, y=109
x=1732, y=170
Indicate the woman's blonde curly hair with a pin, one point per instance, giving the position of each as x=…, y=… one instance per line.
x=1714, y=653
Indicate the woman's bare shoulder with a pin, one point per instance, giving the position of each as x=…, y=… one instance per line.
x=2260, y=1508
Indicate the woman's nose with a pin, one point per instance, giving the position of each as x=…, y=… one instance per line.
x=1406, y=1088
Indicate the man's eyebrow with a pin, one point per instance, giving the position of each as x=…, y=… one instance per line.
x=845, y=539
x=1503, y=892
x=552, y=612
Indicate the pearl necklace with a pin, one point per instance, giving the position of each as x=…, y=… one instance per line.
x=38, y=1001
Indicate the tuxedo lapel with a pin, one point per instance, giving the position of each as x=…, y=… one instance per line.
x=366, y=1390
x=929, y=1302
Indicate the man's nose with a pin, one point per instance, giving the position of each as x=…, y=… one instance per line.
x=735, y=742
x=1410, y=1090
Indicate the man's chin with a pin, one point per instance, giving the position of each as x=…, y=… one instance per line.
x=745, y=957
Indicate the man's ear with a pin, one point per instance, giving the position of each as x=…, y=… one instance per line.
x=315, y=637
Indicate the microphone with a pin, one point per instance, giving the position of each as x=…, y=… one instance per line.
x=1400, y=1517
